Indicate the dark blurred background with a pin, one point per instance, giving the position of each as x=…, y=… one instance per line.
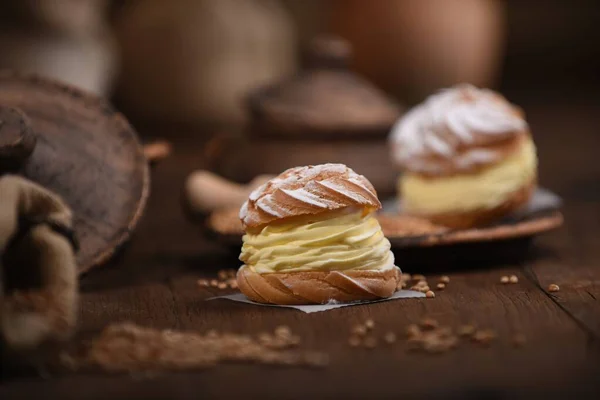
x=191, y=62
x=186, y=65
x=182, y=70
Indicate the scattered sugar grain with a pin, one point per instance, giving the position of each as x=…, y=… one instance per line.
x=390, y=338
x=203, y=283
x=359, y=330
x=466, y=330
x=413, y=330
x=485, y=336
x=429, y=323
x=283, y=331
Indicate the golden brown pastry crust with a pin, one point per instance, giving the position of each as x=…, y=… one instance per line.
x=317, y=287
x=471, y=219
x=308, y=190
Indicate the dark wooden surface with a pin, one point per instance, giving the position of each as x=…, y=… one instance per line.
x=154, y=283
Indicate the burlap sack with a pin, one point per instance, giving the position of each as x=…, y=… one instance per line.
x=38, y=291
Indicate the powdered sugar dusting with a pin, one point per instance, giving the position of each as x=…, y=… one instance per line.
x=244, y=210
x=305, y=196
x=432, y=132
x=257, y=192
x=308, y=190
x=476, y=157
x=266, y=205
x=329, y=184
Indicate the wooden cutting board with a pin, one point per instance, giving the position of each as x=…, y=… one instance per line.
x=87, y=153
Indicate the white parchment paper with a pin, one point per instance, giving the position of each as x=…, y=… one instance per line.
x=401, y=294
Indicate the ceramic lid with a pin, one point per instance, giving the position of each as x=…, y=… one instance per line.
x=78, y=146
x=326, y=100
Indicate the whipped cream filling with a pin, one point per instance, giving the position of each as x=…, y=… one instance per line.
x=342, y=242
x=485, y=189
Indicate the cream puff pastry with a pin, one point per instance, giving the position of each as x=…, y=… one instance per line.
x=312, y=238
x=467, y=155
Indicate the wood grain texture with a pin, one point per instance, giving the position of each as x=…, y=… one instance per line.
x=17, y=139
x=573, y=267
x=88, y=154
x=154, y=283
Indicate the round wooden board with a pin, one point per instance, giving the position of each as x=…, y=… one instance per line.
x=394, y=228
x=410, y=232
x=88, y=154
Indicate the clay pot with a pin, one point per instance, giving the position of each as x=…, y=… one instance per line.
x=192, y=61
x=66, y=40
x=326, y=114
x=414, y=47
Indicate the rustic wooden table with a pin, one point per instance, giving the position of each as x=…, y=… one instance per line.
x=154, y=284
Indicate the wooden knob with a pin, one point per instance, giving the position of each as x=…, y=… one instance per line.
x=17, y=139
x=329, y=52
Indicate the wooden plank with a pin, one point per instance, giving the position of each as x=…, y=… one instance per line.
x=555, y=356
x=573, y=265
x=155, y=284
x=471, y=296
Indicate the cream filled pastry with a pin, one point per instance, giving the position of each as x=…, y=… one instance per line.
x=311, y=237
x=467, y=155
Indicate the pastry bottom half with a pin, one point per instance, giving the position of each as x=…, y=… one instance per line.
x=317, y=287
x=473, y=199
x=484, y=216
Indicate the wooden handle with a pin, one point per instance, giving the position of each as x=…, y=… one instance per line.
x=17, y=140
x=206, y=192
x=157, y=151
